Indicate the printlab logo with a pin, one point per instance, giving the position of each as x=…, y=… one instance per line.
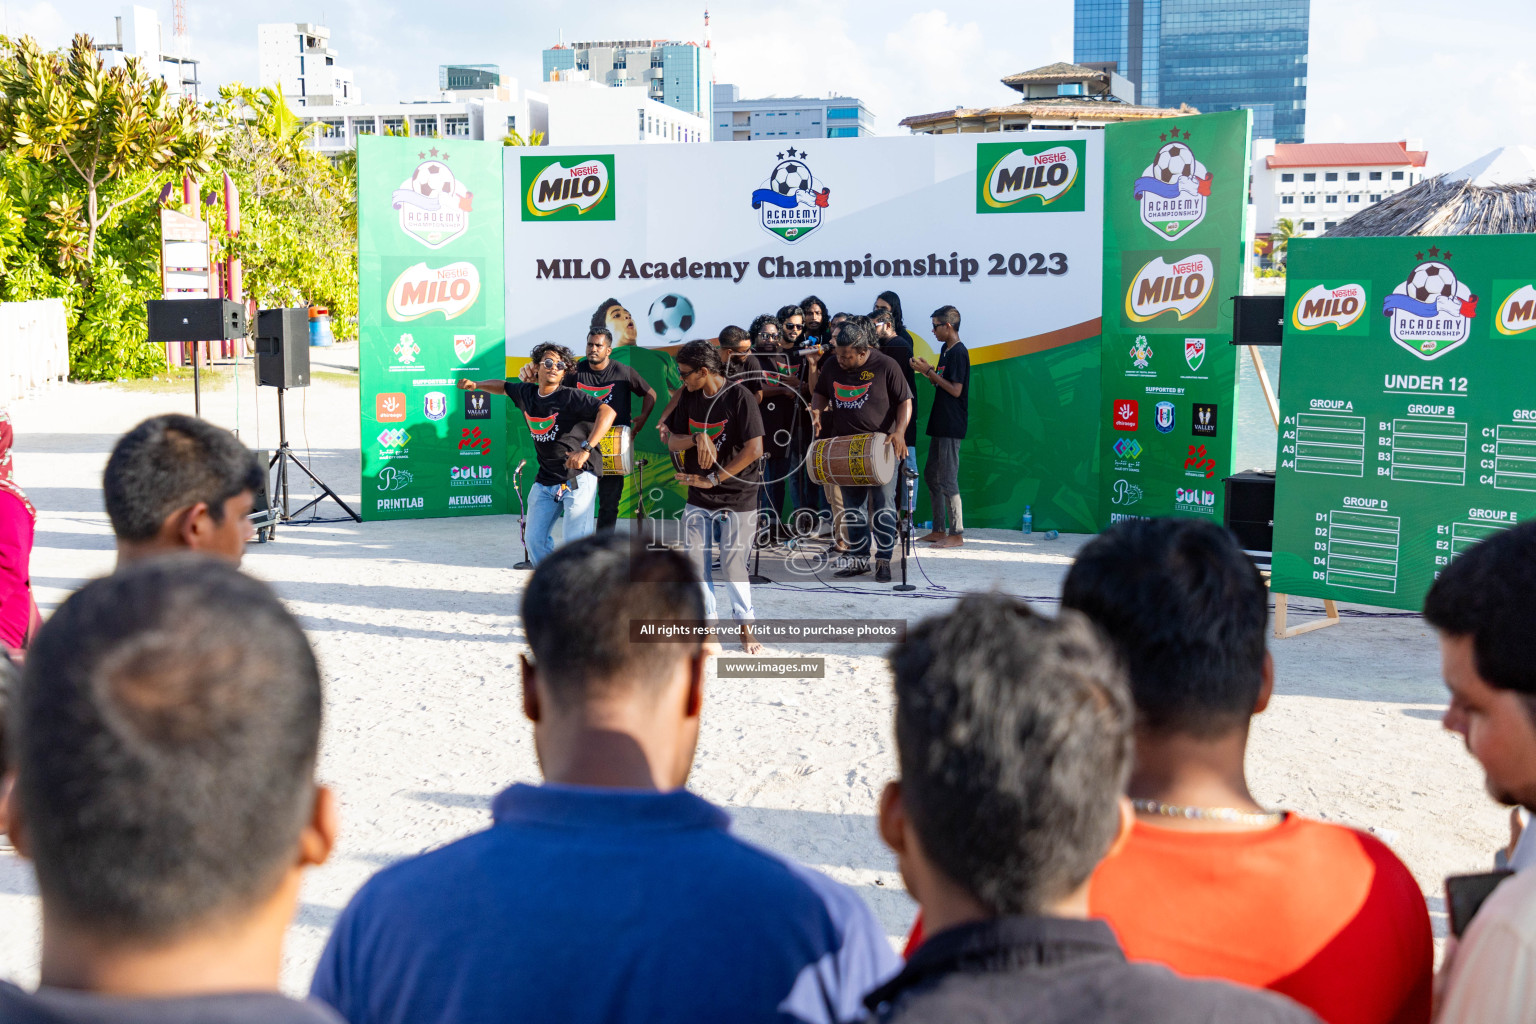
x=1342, y=307
x=477, y=405
x=1517, y=313
x=568, y=188
x=1198, y=463
x=1141, y=352
x=434, y=206
x=1125, y=414
x=393, y=443
x=1194, y=499
x=1181, y=287
x=1174, y=188
x=1163, y=417
x=1203, y=420
x=790, y=201
x=389, y=407
x=1009, y=175
x=393, y=479
x=1125, y=493
x=434, y=405
x=464, y=347
x=1194, y=352
x=1430, y=313
x=469, y=476
x=421, y=289
x=471, y=440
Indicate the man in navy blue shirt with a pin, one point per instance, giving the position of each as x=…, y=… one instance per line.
x=609, y=893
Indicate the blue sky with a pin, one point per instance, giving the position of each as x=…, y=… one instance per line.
x=1458, y=76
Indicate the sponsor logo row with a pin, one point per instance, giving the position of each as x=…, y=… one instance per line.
x=1126, y=493
x=1127, y=417
x=394, y=406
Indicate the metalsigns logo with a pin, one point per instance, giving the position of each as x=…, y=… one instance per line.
x=434, y=205
x=393, y=479
x=1517, y=313
x=469, y=476
x=1163, y=417
x=1174, y=188
x=568, y=188
x=1194, y=352
x=434, y=405
x=1342, y=307
x=1430, y=313
x=421, y=289
x=1181, y=288
x=464, y=347
x=1010, y=175
x=790, y=201
x=1195, y=499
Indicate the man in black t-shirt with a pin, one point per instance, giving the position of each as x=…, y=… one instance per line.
x=567, y=425
x=614, y=384
x=718, y=428
x=947, y=420
x=898, y=346
x=870, y=396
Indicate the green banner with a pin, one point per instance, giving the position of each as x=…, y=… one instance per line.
x=430, y=311
x=1408, y=422
x=1175, y=193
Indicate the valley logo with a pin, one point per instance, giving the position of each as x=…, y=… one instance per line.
x=421, y=289
x=790, y=202
x=434, y=205
x=1181, y=288
x=1430, y=313
x=1009, y=175
x=1517, y=313
x=1174, y=188
x=1342, y=307
x=568, y=188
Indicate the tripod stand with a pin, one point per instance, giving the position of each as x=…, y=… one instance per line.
x=281, y=460
x=522, y=516
x=907, y=488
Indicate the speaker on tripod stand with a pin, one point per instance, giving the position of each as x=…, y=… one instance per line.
x=282, y=362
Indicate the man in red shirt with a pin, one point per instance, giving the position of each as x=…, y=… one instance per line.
x=1212, y=883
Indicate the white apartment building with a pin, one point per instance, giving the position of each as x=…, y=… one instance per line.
x=1318, y=185
x=140, y=34
x=298, y=56
x=794, y=117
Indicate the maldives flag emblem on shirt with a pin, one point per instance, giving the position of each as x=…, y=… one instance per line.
x=597, y=391
x=541, y=427
x=712, y=429
x=851, y=394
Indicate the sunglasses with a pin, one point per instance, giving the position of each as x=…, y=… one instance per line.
x=690, y=373
x=793, y=327
x=553, y=364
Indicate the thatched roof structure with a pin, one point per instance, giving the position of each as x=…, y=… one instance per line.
x=1487, y=197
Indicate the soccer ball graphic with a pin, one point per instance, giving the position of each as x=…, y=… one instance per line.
x=1431, y=281
x=1173, y=161
x=671, y=317
x=790, y=177
x=433, y=178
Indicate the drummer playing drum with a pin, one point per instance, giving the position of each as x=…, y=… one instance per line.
x=870, y=396
x=614, y=384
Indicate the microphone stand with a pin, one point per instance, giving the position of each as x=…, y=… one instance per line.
x=904, y=483
x=522, y=517
x=756, y=576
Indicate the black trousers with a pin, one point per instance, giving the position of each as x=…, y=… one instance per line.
x=609, y=490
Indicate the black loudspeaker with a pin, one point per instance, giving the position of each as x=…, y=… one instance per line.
x=262, y=513
x=1257, y=319
x=282, y=347
x=195, y=320
x=1250, y=512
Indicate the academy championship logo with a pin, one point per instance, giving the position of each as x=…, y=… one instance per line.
x=851, y=396
x=1342, y=307
x=1174, y=188
x=421, y=289
x=704, y=427
x=1430, y=313
x=597, y=391
x=1181, y=288
x=541, y=427
x=568, y=188
x=1517, y=313
x=1013, y=178
x=434, y=206
x=790, y=202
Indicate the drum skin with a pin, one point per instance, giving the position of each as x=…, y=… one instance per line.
x=618, y=452
x=855, y=460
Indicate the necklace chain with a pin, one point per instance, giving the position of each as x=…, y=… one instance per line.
x=1227, y=814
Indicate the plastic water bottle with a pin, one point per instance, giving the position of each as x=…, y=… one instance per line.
x=927, y=524
x=1029, y=520
x=1051, y=535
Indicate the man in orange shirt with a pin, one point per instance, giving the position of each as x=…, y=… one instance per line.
x=1211, y=883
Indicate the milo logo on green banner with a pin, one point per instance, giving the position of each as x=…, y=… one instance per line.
x=1030, y=177
x=568, y=187
x=1339, y=307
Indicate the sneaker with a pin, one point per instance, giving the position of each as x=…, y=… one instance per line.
x=883, y=570
x=852, y=567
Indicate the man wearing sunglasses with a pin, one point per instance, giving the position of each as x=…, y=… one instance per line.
x=569, y=463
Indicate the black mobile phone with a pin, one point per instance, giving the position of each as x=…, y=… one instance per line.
x=1464, y=894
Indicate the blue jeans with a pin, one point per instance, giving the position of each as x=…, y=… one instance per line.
x=543, y=505
x=881, y=503
x=734, y=541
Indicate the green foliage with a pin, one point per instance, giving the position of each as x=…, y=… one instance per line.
x=513, y=138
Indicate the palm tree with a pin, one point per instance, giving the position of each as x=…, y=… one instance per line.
x=1280, y=239
x=512, y=138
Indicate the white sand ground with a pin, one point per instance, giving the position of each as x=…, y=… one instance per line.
x=417, y=632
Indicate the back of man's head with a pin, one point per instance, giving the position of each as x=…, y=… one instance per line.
x=1014, y=738
x=1487, y=594
x=168, y=464
x=166, y=730
x=577, y=611
x=1186, y=609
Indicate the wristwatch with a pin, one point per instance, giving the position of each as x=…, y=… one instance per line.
x=586, y=446
x=714, y=479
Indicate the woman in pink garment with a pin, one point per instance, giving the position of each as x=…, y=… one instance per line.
x=18, y=612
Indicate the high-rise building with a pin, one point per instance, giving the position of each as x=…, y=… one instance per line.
x=140, y=34
x=788, y=117
x=298, y=56
x=468, y=77
x=1210, y=54
x=674, y=73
